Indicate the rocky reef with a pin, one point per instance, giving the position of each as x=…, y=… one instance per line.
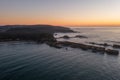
x=77, y=36
x=116, y=46
x=80, y=36
x=85, y=47
x=100, y=44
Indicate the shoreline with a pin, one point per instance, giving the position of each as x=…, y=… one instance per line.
x=44, y=34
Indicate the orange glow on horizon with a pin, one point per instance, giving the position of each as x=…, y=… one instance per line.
x=60, y=13
x=60, y=22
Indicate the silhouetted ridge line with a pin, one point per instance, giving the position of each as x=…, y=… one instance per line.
x=34, y=28
x=39, y=33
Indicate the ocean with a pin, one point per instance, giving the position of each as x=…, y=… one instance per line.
x=32, y=61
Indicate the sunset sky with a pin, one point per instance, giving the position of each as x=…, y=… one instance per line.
x=60, y=12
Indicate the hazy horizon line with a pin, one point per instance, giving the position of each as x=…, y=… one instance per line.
x=62, y=25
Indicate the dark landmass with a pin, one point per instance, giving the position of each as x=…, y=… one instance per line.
x=37, y=37
x=44, y=34
x=34, y=29
x=39, y=33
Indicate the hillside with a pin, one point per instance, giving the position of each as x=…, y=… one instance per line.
x=34, y=29
x=40, y=33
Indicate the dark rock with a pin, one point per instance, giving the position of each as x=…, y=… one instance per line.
x=112, y=52
x=83, y=46
x=65, y=37
x=54, y=44
x=80, y=36
x=92, y=43
x=116, y=46
x=66, y=48
x=104, y=44
x=98, y=49
x=87, y=47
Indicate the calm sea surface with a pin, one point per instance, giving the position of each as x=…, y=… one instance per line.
x=31, y=61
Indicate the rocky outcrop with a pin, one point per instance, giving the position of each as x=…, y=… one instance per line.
x=112, y=52
x=65, y=37
x=54, y=44
x=83, y=46
x=80, y=36
x=98, y=49
x=87, y=47
x=77, y=36
x=116, y=46
x=100, y=44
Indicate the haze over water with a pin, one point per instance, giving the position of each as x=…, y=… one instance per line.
x=31, y=61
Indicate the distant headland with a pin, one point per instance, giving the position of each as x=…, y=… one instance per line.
x=34, y=29
x=45, y=34
x=39, y=33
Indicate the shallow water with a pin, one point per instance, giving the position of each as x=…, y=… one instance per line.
x=31, y=61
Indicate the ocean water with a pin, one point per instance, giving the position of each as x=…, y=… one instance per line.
x=94, y=34
x=31, y=61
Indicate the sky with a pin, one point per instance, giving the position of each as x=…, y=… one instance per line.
x=60, y=12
